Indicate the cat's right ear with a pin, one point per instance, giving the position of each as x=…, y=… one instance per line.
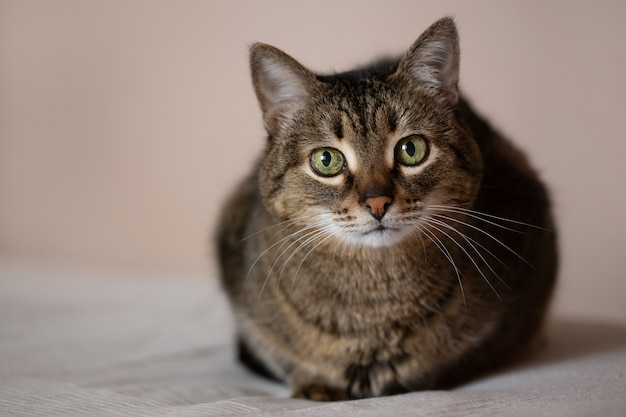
x=281, y=83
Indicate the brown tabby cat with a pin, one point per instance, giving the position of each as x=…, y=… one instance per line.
x=389, y=240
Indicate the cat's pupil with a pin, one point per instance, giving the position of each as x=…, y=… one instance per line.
x=409, y=148
x=326, y=158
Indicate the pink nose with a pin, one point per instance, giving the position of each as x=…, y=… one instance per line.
x=377, y=206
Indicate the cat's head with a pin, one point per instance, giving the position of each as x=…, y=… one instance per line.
x=361, y=156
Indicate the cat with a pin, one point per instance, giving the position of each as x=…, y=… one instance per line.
x=389, y=240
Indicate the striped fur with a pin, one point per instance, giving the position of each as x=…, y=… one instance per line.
x=453, y=280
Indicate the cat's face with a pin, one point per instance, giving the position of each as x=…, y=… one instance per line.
x=362, y=157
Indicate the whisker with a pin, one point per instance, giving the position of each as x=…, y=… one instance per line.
x=311, y=237
x=469, y=256
x=476, y=214
x=293, y=280
x=258, y=258
x=439, y=244
x=286, y=224
x=280, y=241
x=309, y=232
x=471, y=243
x=490, y=236
x=283, y=251
x=474, y=241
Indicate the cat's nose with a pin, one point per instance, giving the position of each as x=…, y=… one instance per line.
x=377, y=206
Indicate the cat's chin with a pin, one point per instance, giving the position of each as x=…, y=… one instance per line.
x=377, y=237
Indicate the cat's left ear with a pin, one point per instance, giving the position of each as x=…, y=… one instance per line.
x=281, y=83
x=433, y=60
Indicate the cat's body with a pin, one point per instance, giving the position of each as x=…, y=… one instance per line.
x=390, y=240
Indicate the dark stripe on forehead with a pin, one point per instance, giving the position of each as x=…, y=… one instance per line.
x=363, y=108
x=338, y=127
x=359, y=107
x=360, y=102
x=344, y=108
x=392, y=119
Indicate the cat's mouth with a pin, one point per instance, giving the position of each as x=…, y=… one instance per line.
x=380, y=229
x=380, y=236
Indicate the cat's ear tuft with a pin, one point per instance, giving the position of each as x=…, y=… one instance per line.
x=433, y=60
x=282, y=85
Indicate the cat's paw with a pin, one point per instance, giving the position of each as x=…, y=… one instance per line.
x=320, y=392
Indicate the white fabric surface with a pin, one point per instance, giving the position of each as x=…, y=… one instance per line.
x=81, y=342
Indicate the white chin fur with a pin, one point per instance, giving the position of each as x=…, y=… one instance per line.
x=375, y=238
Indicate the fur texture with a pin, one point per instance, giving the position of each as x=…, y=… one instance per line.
x=389, y=240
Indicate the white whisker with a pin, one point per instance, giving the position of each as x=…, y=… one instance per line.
x=286, y=224
x=488, y=235
x=477, y=215
x=309, y=229
x=293, y=280
x=281, y=242
x=311, y=237
x=474, y=241
x=469, y=256
x=471, y=242
x=439, y=244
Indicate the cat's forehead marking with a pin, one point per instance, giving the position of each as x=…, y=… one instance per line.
x=392, y=119
x=337, y=127
x=346, y=122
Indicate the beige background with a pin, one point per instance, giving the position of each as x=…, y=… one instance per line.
x=123, y=124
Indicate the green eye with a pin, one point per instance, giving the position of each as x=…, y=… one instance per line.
x=327, y=162
x=411, y=151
